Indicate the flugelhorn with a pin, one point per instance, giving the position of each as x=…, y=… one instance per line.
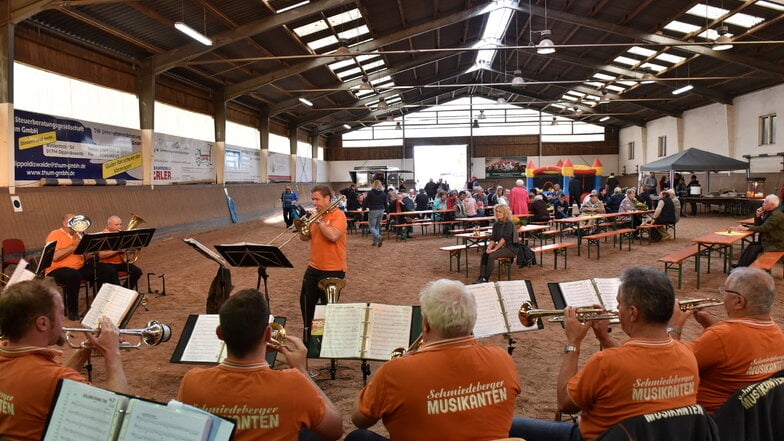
x=331, y=287
x=695, y=304
x=131, y=255
x=528, y=315
x=302, y=225
x=154, y=334
x=401, y=351
x=79, y=224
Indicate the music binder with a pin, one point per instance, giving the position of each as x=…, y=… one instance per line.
x=199, y=344
x=497, y=304
x=206, y=252
x=118, y=417
x=46, y=258
x=115, y=302
x=586, y=293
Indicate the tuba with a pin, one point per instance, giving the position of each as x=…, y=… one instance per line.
x=331, y=287
x=132, y=255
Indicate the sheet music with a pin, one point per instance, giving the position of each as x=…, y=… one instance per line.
x=389, y=327
x=489, y=315
x=113, y=301
x=579, y=293
x=204, y=345
x=20, y=274
x=513, y=294
x=148, y=421
x=84, y=413
x=344, y=328
x=608, y=292
x=206, y=251
x=221, y=428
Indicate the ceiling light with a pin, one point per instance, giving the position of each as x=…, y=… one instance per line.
x=648, y=78
x=196, y=35
x=389, y=118
x=475, y=125
x=398, y=126
x=500, y=100
x=481, y=115
x=723, y=42
x=545, y=46
x=346, y=126
x=604, y=118
x=382, y=104
x=685, y=88
x=305, y=101
x=342, y=52
x=517, y=80
x=365, y=84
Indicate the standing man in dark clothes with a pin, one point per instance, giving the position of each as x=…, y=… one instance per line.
x=350, y=193
x=431, y=188
x=376, y=202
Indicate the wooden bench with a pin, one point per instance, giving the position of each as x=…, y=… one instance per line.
x=505, y=263
x=767, y=260
x=596, y=239
x=455, y=252
x=677, y=258
x=645, y=230
x=558, y=249
x=365, y=229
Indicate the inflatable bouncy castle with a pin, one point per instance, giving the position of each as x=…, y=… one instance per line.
x=563, y=173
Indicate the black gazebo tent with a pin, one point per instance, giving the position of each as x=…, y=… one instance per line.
x=692, y=160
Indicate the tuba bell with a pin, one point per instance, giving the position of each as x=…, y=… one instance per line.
x=331, y=287
x=132, y=255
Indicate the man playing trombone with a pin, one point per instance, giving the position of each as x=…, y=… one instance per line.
x=649, y=372
x=327, y=234
x=31, y=319
x=745, y=348
x=117, y=261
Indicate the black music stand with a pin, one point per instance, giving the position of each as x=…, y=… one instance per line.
x=251, y=254
x=113, y=241
x=45, y=261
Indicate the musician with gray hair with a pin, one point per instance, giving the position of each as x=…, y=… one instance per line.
x=118, y=261
x=745, y=348
x=31, y=320
x=450, y=388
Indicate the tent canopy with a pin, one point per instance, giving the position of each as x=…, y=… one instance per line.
x=695, y=160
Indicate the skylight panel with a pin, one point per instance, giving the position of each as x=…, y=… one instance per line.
x=353, y=33
x=770, y=5
x=670, y=58
x=614, y=88
x=323, y=42
x=362, y=92
x=344, y=17
x=311, y=28
x=713, y=13
x=626, y=60
x=743, y=20
x=497, y=22
x=653, y=66
x=594, y=84
x=575, y=93
x=570, y=98
x=393, y=99
x=628, y=83
x=645, y=52
x=703, y=10
x=601, y=76
x=341, y=64
x=349, y=73
x=681, y=27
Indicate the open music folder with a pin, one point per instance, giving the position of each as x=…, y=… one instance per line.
x=586, y=293
x=497, y=304
x=115, y=302
x=88, y=413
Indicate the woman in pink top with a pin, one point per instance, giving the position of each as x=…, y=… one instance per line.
x=518, y=201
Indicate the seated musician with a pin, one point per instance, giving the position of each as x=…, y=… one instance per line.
x=266, y=403
x=451, y=388
x=31, y=320
x=116, y=260
x=745, y=348
x=647, y=373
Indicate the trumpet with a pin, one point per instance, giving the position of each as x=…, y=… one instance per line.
x=401, y=351
x=528, y=315
x=302, y=225
x=79, y=224
x=696, y=304
x=278, y=337
x=154, y=334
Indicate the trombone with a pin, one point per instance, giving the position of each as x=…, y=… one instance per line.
x=154, y=334
x=401, y=351
x=302, y=225
x=528, y=315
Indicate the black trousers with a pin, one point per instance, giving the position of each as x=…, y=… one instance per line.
x=71, y=280
x=311, y=295
x=287, y=216
x=134, y=273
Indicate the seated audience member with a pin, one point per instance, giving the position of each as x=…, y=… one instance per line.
x=500, y=244
x=31, y=320
x=628, y=205
x=614, y=201
x=676, y=202
x=451, y=388
x=459, y=206
x=68, y=269
x=469, y=203
x=592, y=204
x=645, y=197
x=745, y=348
x=500, y=197
x=649, y=372
x=663, y=215
x=244, y=385
x=481, y=200
x=769, y=222
x=539, y=210
x=561, y=208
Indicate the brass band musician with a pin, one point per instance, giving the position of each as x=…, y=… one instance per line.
x=117, y=260
x=745, y=348
x=31, y=318
x=327, y=253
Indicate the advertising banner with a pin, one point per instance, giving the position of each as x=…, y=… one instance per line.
x=51, y=147
x=242, y=165
x=505, y=167
x=182, y=160
x=278, y=168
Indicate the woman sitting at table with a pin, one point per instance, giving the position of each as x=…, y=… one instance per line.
x=500, y=243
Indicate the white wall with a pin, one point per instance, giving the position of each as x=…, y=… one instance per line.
x=748, y=109
x=708, y=128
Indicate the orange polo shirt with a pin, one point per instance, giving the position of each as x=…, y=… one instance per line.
x=326, y=255
x=64, y=240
